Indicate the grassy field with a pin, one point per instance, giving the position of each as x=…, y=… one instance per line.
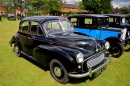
x=16, y=71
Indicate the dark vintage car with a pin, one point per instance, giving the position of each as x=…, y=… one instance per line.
x=11, y=16
x=96, y=26
x=120, y=21
x=52, y=42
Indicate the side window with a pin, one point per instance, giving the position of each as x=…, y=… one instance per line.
x=88, y=21
x=35, y=29
x=74, y=21
x=24, y=27
x=111, y=19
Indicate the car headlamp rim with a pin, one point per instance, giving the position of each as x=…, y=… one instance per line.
x=79, y=57
x=107, y=45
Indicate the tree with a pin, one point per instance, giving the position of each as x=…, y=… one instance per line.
x=15, y=4
x=47, y=6
x=81, y=6
x=97, y=6
x=106, y=6
x=125, y=10
x=8, y=5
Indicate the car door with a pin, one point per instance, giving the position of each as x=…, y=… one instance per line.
x=23, y=35
x=35, y=37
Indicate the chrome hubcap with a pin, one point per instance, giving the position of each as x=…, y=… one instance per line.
x=16, y=49
x=57, y=71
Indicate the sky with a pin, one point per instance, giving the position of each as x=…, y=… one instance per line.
x=115, y=3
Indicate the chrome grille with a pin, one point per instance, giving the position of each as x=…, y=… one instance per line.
x=95, y=61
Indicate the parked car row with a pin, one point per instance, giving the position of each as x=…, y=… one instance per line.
x=116, y=31
x=78, y=49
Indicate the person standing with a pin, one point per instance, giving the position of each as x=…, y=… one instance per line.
x=0, y=16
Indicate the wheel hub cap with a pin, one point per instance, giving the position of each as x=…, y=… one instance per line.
x=57, y=71
x=16, y=49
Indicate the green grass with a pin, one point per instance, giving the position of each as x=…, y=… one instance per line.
x=16, y=71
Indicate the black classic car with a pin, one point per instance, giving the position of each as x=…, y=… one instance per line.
x=120, y=21
x=52, y=42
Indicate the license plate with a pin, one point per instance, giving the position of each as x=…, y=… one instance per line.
x=99, y=71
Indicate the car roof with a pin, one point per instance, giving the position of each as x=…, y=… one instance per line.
x=87, y=15
x=116, y=15
x=42, y=19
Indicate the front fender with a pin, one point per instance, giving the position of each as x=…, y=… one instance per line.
x=113, y=39
x=52, y=51
x=13, y=40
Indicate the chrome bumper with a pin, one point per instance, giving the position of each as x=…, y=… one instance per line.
x=89, y=73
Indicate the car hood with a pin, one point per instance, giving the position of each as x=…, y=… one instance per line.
x=76, y=41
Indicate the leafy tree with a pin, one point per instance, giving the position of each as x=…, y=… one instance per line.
x=47, y=6
x=14, y=4
x=81, y=6
x=106, y=6
x=92, y=6
x=97, y=6
x=125, y=10
x=8, y=5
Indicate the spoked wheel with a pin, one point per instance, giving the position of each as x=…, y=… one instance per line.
x=58, y=71
x=116, y=49
x=17, y=50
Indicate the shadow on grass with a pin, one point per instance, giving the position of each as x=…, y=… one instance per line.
x=127, y=48
x=35, y=63
x=72, y=80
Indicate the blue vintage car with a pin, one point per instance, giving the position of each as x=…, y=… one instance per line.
x=120, y=21
x=96, y=26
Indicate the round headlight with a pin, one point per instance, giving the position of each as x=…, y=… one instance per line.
x=107, y=45
x=79, y=58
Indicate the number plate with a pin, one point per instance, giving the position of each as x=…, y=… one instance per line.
x=99, y=71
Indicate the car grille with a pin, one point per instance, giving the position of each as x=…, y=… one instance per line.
x=95, y=61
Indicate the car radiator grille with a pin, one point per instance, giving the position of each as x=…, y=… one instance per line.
x=95, y=61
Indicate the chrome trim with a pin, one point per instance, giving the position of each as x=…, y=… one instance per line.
x=89, y=73
x=123, y=34
x=95, y=55
x=95, y=61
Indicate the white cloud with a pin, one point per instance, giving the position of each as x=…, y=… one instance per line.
x=120, y=4
x=115, y=3
x=72, y=1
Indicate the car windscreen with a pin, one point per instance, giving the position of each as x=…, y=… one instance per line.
x=55, y=27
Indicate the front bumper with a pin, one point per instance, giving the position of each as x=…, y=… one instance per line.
x=90, y=72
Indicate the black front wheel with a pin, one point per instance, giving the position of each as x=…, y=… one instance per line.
x=17, y=50
x=58, y=71
x=116, y=49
